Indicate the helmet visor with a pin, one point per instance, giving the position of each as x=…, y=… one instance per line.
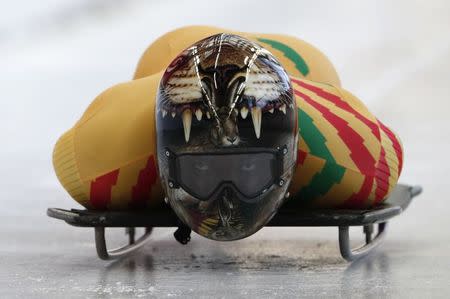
x=249, y=173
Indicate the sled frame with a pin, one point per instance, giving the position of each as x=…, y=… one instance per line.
x=287, y=216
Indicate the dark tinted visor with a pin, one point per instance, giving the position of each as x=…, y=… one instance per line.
x=250, y=173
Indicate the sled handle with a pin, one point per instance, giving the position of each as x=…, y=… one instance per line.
x=350, y=254
x=105, y=254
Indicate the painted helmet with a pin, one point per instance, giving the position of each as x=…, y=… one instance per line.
x=226, y=136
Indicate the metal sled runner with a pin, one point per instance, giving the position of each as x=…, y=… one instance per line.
x=397, y=202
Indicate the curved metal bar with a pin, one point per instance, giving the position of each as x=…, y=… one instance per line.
x=105, y=254
x=352, y=254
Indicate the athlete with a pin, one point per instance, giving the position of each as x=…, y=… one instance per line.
x=226, y=127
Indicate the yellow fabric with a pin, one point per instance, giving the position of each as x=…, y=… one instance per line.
x=65, y=164
x=357, y=132
x=116, y=131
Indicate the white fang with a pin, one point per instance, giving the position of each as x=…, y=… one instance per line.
x=283, y=108
x=256, y=117
x=208, y=115
x=244, y=112
x=173, y=114
x=187, y=120
x=198, y=114
x=164, y=113
x=271, y=110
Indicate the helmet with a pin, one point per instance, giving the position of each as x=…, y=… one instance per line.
x=226, y=136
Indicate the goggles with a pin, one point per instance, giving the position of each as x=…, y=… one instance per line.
x=250, y=172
